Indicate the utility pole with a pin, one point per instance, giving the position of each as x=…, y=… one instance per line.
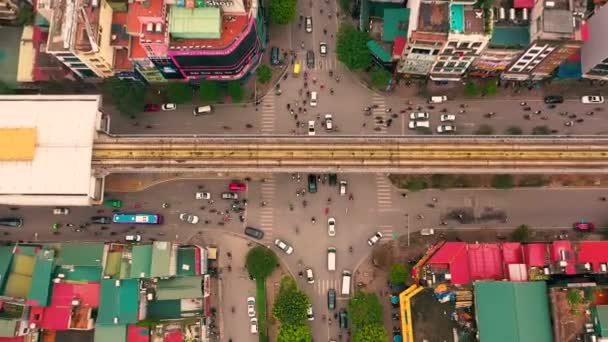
x=407, y=226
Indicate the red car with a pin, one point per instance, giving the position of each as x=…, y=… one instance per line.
x=151, y=108
x=584, y=226
x=237, y=187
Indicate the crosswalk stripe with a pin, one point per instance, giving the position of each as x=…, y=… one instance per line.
x=383, y=192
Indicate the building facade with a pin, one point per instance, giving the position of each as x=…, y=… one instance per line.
x=594, y=54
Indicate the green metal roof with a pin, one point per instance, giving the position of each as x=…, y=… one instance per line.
x=396, y=21
x=41, y=278
x=80, y=273
x=510, y=36
x=161, y=259
x=165, y=309
x=378, y=51
x=8, y=327
x=195, y=23
x=513, y=312
x=79, y=254
x=141, y=261
x=600, y=319
x=120, y=302
x=6, y=259
x=186, y=261
x=114, y=333
x=179, y=288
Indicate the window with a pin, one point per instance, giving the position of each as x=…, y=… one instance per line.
x=526, y=58
x=476, y=44
x=451, y=64
x=534, y=51
x=64, y=54
x=78, y=65
x=515, y=69
x=439, y=65
x=520, y=63
x=453, y=44
x=448, y=51
x=71, y=59
x=464, y=45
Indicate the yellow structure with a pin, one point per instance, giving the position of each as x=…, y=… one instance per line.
x=18, y=144
x=27, y=56
x=405, y=305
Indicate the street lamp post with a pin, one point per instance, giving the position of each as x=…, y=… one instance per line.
x=407, y=226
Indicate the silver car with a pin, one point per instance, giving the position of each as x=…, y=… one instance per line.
x=283, y=246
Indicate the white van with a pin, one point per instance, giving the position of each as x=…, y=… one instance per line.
x=438, y=99
x=201, y=110
x=313, y=98
x=346, y=283
x=427, y=231
x=419, y=124
x=331, y=258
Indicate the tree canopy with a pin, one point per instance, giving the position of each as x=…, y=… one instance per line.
x=371, y=333
x=282, y=11
x=210, y=91
x=364, y=308
x=485, y=129
x=294, y=333
x=264, y=73
x=178, y=92
x=236, y=91
x=399, y=274
x=503, y=182
x=351, y=47
x=521, y=233
x=470, y=89
x=380, y=77
x=126, y=95
x=260, y=262
x=290, y=304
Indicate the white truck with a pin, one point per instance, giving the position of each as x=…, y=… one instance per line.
x=346, y=277
x=331, y=258
x=438, y=99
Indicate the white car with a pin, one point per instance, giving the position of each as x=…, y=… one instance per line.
x=203, y=195
x=251, y=306
x=308, y=24
x=343, y=184
x=309, y=314
x=374, y=239
x=419, y=124
x=310, y=277
x=61, y=211
x=313, y=98
x=331, y=226
x=329, y=122
x=447, y=117
x=192, y=219
x=253, y=325
x=283, y=246
x=323, y=48
x=419, y=116
x=168, y=106
x=230, y=195
x=588, y=99
x=311, y=127
x=446, y=129
x=133, y=238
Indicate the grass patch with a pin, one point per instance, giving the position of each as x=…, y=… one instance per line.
x=260, y=289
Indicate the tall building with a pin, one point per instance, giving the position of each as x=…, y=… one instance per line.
x=594, y=56
x=9, y=9
x=557, y=30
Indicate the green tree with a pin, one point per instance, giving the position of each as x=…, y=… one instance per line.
x=503, y=182
x=514, y=130
x=364, y=308
x=470, y=89
x=521, y=233
x=345, y=5
x=264, y=73
x=178, y=92
x=126, y=95
x=351, y=47
x=294, y=333
x=25, y=15
x=5, y=89
x=260, y=262
x=490, y=88
x=291, y=304
x=210, y=91
x=485, y=129
x=416, y=183
x=236, y=91
x=282, y=11
x=380, y=77
x=541, y=130
x=399, y=274
x=370, y=333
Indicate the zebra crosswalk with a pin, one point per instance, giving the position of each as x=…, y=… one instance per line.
x=322, y=285
x=267, y=124
x=380, y=113
x=387, y=231
x=329, y=62
x=383, y=193
x=267, y=212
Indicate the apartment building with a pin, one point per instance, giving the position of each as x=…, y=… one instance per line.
x=594, y=54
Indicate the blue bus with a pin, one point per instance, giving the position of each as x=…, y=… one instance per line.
x=137, y=218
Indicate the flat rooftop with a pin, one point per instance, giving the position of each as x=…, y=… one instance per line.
x=60, y=131
x=68, y=29
x=434, y=17
x=232, y=27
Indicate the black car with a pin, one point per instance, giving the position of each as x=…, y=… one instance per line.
x=343, y=317
x=15, y=222
x=554, y=99
x=310, y=59
x=254, y=233
x=333, y=179
x=331, y=299
x=312, y=183
x=101, y=219
x=274, y=56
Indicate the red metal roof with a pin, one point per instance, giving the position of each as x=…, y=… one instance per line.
x=87, y=294
x=120, y=18
x=140, y=12
x=594, y=252
x=512, y=253
x=427, y=36
x=454, y=254
x=523, y=3
x=559, y=248
x=137, y=334
x=12, y=339
x=534, y=254
x=137, y=51
x=485, y=261
x=174, y=336
x=231, y=30
x=399, y=45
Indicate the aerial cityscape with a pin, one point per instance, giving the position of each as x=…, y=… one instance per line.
x=303, y=170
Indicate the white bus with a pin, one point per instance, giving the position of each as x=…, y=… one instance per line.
x=331, y=258
x=346, y=283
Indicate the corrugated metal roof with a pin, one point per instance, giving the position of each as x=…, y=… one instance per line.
x=510, y=36
x=379, y=51
x=41, y=278
x=161, y=259
x=196, y=23
x=141, y=261
x=118, y=300
x=513, y=312
x=179, y=288
x=114, y=333
x=396, y=22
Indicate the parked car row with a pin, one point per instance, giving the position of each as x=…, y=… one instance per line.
x=421, y=120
